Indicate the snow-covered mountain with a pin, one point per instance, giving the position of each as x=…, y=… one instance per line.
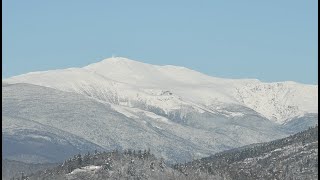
x=133, y=84
x=177, y=112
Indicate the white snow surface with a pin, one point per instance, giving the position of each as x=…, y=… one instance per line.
x=128, y=83
x=85, y=169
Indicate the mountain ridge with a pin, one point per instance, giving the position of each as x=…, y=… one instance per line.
x=126, y=79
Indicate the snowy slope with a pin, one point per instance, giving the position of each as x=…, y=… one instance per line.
x=32, y=142
x=64, y=118
x=166, y=89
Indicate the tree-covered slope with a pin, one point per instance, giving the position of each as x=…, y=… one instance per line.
x=294, y=157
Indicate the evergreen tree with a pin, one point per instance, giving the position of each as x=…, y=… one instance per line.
x=79, y=160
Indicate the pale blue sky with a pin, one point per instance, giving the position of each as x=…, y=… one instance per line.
x=269, y=40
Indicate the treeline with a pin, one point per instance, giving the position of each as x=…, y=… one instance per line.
x=127, y=164
x=104, y=159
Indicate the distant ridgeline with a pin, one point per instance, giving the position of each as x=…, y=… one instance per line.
x=293, y=157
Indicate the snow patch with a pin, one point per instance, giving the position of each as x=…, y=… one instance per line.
x=90, y=169
x=123, y=110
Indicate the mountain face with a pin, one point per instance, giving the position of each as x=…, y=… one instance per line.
x=177, y=112
x=37, y=118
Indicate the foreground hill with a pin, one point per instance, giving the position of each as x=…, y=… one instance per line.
x=294, y=157
x=129, y=164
